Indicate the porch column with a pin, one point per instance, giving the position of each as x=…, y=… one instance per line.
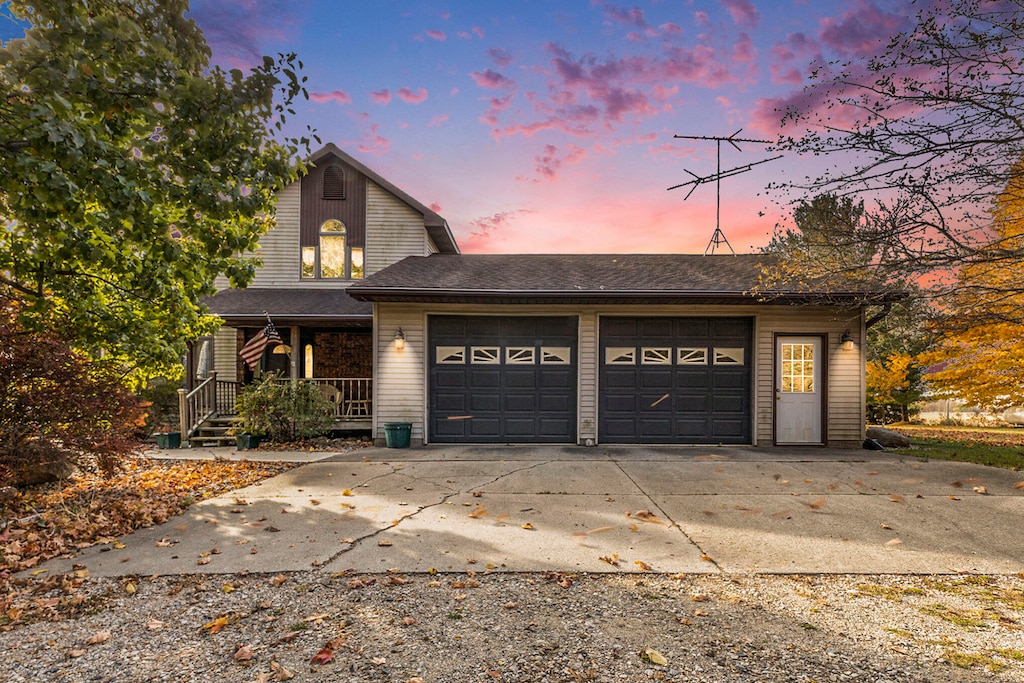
x=293, y=357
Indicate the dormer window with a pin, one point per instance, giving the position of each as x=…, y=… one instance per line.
x=332, y=258
x=333, y=186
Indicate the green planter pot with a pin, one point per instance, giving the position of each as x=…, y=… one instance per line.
x=168, y=439
x=247, y=442
x=396, y=434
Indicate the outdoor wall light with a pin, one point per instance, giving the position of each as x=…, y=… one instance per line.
x=846, y=341
x=282, y=350
x=400, y=339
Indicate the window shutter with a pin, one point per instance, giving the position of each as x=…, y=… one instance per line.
x=334, y=182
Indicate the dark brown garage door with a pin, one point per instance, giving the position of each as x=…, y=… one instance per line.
x=502, y=379
x=675, y=380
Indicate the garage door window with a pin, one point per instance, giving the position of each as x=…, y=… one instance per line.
x=486, y=355
x=451, y=355
x=656, y=356
x=728, y=356
x=555, y=355
x=620, y=355
x=691, y=356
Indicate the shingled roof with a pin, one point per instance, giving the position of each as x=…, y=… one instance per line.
x=586, y=278
x=249, y=306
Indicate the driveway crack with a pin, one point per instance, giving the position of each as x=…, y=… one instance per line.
x=444, y=499
x=672, y=523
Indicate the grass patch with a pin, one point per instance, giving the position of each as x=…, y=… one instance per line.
x=969, y=660
x=1010, y=653
x=894, y=593
x=1010, y=457
x=966, y=619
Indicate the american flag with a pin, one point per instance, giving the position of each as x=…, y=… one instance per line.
x=253, y=350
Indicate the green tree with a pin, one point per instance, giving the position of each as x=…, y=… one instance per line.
x=135, y=173
x=930, y=128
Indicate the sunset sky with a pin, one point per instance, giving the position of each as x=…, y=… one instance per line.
x=540, y=126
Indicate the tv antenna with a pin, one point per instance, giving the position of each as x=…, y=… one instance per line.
x=718, y=238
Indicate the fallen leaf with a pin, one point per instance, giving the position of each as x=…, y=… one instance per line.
x=280, y=672
x=894, y=541
x=699, y=613
x=228, y=588
x=980, y=490
x=643, y=565
x=98, y=638
x=896, y=498
x=408, y=621
x=527, y=526
x=384, y=543
x=216, y=625
x=154, y=625
x=76, y=653
x=817, y=504
x=700, y=597
x=130, y=588
x=313, y=501
x=655, y=657
x=954, y=497
x=279, y=579
x=478, y=511
x=886, y=526
x=347, y=492
x=1019, y=485
x=324, y=656
x=612, y=559
x=203, y=560
x=379, y=661
x=244, y=654
x=165, y=543
x=511, y=604
x=119, y=546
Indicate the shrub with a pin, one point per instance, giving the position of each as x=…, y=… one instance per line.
x=58, y=408
x=283, y=411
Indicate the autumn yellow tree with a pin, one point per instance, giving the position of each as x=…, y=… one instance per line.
x=980, y=356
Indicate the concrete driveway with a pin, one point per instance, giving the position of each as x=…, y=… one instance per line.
x=604, y=509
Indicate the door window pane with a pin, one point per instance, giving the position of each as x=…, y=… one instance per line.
x=308, y=262
x=357, y=263
x=797, y=369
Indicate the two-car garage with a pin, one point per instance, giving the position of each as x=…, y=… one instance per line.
x=516, y=379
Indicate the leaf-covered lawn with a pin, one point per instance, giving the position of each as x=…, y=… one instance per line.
x=996, y=447
x=56, y=520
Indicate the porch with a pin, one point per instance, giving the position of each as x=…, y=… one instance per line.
x=206, y=412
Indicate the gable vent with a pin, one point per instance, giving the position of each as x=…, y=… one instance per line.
x=334, y=183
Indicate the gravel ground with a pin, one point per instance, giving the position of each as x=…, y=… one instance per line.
x=531, y=627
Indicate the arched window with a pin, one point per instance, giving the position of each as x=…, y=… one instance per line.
x=330, y=258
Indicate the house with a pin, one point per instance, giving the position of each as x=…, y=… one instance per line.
x=375, y=304
x=336, y=225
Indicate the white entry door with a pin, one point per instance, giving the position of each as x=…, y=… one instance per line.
x=798, y=390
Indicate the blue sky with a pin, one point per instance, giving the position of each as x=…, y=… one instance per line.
x=548, y=126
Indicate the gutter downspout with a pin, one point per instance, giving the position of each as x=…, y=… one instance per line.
x=877, y=317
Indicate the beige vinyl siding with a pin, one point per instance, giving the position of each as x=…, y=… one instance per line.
x=225, y=353
x=401, y=376
x=844, y=425
x=393, y=230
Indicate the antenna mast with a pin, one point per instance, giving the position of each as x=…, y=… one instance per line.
x=718, y=237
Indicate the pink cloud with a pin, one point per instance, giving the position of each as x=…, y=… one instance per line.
x=702, y=18
x=723, y=101
x=621, y=15
x=861, y=31
x=743, y=12
x=744, y=51
x=381, y=96
x=549, y=163
x=491, y=79
x=339, y=96
x=437, y=35
x=483, y=230
x=412, y=97
x=438, y=120
x=788, y=57
x=373, y=142
x=670, y=29
x=435, y=207
x=500, y=57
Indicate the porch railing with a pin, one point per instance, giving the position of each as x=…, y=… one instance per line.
x=196, y=406
x=351, y=397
